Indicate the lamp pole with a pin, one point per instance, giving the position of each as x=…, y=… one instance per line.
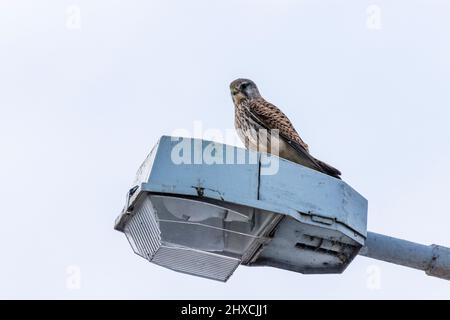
x=433, y=259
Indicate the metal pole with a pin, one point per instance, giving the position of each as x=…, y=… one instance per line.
x=433, y=259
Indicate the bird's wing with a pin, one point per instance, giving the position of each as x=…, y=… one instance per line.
x=274, y=118
x=332, y=171
x=270, y=117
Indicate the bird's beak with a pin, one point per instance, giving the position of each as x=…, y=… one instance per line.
x=234, y=91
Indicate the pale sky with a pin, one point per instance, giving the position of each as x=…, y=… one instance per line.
x=87, y=88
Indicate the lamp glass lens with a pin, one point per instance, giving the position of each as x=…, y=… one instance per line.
x=214, y=227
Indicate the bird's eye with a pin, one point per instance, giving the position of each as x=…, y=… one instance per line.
x=244, y=85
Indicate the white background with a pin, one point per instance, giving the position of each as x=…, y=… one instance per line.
x=87, y=88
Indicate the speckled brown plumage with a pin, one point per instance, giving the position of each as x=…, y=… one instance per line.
x=274, y=118
x=253, y=113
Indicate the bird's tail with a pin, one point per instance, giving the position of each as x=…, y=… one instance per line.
x=332, y=171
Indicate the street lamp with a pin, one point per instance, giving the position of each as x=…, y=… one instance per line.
x=204, y=208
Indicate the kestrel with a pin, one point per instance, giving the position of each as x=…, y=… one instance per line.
x=253, y=115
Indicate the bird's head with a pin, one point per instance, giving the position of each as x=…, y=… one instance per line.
x=243, y=89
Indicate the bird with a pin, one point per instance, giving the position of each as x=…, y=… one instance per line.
x=254, y=116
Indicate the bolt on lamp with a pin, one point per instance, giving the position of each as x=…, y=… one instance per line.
x=216, y=209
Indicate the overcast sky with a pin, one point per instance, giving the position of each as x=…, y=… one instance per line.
x=88, y=87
